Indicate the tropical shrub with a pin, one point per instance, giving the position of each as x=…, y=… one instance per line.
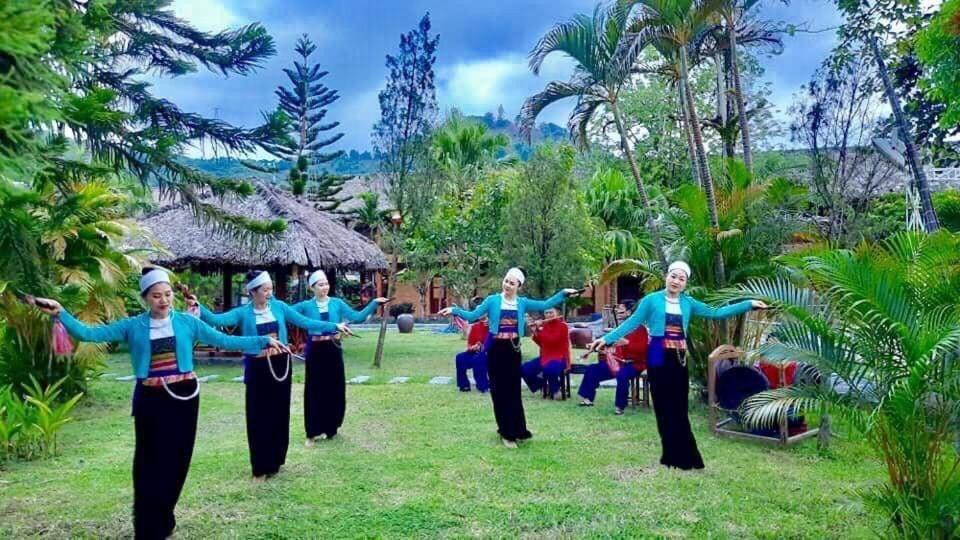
x=29, y=425
x=881, y=325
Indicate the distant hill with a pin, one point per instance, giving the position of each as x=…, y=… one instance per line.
x=355, y=163
x=350, y=163
x=546, y=132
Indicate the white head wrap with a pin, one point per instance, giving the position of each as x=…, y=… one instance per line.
x=262, y=279
x=153, y=277
x=315, y=277
x=516, y=274
x=679, y=265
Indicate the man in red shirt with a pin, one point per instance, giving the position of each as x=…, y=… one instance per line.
x=553, y=336
x=475, y=358
x=627, y=359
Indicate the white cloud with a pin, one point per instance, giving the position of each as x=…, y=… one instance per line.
x=480, y=86
x=207, y=15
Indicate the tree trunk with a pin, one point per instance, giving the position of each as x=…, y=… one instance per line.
x=704, y=172
x=694, y=163
x=647, y=207
x=738, y=93
x=930, y=223
x=391, y=286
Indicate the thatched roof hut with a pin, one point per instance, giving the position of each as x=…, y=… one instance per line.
x=313, y=239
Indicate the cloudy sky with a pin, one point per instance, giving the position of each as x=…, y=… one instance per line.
x=481, y=62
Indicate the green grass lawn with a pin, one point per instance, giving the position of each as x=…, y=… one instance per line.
x=419, y=460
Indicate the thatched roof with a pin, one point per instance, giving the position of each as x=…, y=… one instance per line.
x=313, y=239
x=353, y=187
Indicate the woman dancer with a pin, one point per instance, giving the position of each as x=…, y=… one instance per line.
x=325, y=390
x=505, y=310
x=166, y=396
x=267, y=372
x=667, y=314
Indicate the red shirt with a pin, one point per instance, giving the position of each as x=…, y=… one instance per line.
x=477, y=334
x=553, y=337
x=636, y=348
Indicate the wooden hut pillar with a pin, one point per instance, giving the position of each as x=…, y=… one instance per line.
x=227, y=274
x=332, y=280
x=283, y=277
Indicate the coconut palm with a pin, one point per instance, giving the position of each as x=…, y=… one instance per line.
x=674, y=27
x=605, y=60
x=747, y=32
x=879, y=324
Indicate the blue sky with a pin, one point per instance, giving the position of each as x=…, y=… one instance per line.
x=481, y=60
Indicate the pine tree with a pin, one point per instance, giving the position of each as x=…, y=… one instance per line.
x=408, y=109
x=111, y=111
x=305, y=103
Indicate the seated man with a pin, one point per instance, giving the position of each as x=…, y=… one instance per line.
x=474, y=358
x=625, y=360
x=553, y=336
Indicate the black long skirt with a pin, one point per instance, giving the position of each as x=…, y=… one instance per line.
x=669, y=388
x=324, y=390
x=166, y=429
x=503, y=365
x=268, y=413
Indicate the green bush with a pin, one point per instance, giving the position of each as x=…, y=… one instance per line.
x=947, y=205
x=29, y=423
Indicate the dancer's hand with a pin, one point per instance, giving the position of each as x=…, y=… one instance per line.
x=759, y=304
x=596, y=345
x=343, y=328
x=191, y=300
x=446, y=311
x=277, y=344
x=46, y=305
x=572, y=292
x=475, y=347
x=382, y=300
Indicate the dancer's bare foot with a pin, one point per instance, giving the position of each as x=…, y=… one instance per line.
x=618, y=411
x=509, y=444
x=309, y=443
x=321, y=437
x=260, y=479
x=586, y=403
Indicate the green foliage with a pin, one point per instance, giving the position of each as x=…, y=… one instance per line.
x=547, y=227
x=466, y=233
x=938, y=48
x=462, y=150
x=29, y=425
x=64, y=243
x=881, y=322
x=614, y=201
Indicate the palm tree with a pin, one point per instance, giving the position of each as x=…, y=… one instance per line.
x=729, y=11
x=605, y=60
x=613, y=200
x=674, y=27
x=746, y=33
x=461, y=149
x=879, y=327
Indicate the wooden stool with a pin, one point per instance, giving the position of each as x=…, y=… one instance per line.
x=564, y=386
x=636, y=390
